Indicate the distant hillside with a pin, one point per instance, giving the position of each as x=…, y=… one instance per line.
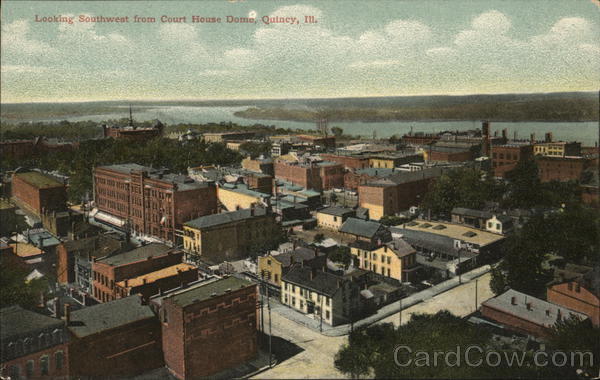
x=509, y=107
x=565, y=106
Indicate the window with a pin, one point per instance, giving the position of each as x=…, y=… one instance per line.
x=44, y=365
x=276, y=278
x=388, y=271
x=59, y=359
x=570, y=286
x=374, y=256
x=326, y=314
x=326, y=301
x=489, y=224
x=14, y=371
x=389, y=260
x=382, y=259
x=578, y=288
x=498, y=226
x=29, y=368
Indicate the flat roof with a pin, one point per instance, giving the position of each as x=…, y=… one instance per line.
x=25, y=249
x=39, y=180
x=156, y=275
x=204, y=291
x=454, y=231
x=335, y=210
x=213, y=220
x=138, y=254
x=109, y=315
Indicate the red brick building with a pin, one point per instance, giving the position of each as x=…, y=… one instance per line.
x=37, y=192
x=397, y=192
x=154, y=201
x=320, y=141
x=133, y=133
x=526, y=314
x=349, y=162
x=15, y=149
x=260, y=182
x=118, y=339
x=32, y=345
x=108, y=271
x=505, y=157
x=562, y=168
x=155, y=282
x=209, y=327
x=316, y=176
x=581, y=294
x=420, y=139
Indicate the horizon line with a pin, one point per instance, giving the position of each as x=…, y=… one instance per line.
x=297, y=98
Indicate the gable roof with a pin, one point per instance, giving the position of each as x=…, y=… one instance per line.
x=360, y=227
x=109, y=315
x=225, y=218
x=16, y=321
x=321, y=282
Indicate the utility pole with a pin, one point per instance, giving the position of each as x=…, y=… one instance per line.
x=262, y=303
x=321, y=310
x=476, y=280
x=400, y=314
x=458, y=268
x=270, y=331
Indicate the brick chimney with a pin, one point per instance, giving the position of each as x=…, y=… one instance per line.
x=532, y=138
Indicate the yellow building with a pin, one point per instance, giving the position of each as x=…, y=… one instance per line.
x=238, y=196
x=333, y=217
x=271, y=268
x=557, y=149
x=382, y=162
x=229, y=236
x=396, y=259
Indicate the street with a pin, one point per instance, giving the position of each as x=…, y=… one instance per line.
x=318, y=351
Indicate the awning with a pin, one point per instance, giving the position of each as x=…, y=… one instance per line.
x=100, y=215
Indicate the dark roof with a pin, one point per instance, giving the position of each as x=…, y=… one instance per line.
x=109, y=315
x=400, y=247
x=360, y=227
x=98, y=246
x=425, y=239
x=337, y=211
x=225, y=218
x=138, y=254
x=300, y=254
x=39, y=180
x=591, y=281
x=321, y=282
x=504, y=218
x=471, y=212
x=16, y=321
x=204, y=291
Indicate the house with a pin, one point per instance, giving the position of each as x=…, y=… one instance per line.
x=499, y=224
x=229, y=236
x=208, y=327
x=326, y=297
x=366, y=230
x=121, y=338
x=333, y=217
x=526, y=314
x=395, y=259
x=272, y=267
x=32, y=345
x=579, y=291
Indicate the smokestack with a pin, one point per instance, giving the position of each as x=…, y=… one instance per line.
x=504, y=136
x=532, y=138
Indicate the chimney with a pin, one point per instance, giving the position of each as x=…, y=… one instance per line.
x=56, y=307
x=513, y=300
x=316, y=251
x=67, y=313
x=144, y=281
x=528, y=304
x=339, y=283
x=312, y=274
x=515, y=135
x=504, y=136
x=532, y=138
x=252, y=210
x=126, y=282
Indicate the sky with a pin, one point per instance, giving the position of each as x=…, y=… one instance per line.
x=355, y=49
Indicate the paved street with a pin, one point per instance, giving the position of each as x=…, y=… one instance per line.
x=318, y=351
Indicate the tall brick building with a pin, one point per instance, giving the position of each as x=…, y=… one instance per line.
x=316, y=176
x=396, y=193
x=563, y=168
x=32, y=345
x=133, y=133
x=36, y=192
x=117, y=339
x=110, y=270
x=208, y=327
x=505, y=157
x=154, y=201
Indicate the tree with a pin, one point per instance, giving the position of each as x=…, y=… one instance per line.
x=524, y=186
x=337, y=131
x=255, y=149
x=15, y=290
x=341, y=254
x=572, y=335
x=319, y=238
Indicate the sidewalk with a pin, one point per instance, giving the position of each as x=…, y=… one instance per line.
x=382, y=313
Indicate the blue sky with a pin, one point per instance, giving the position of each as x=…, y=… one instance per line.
x=356, y=48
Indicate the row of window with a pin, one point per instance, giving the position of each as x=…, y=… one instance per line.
x=41, y=369
x=99, y=277
x=33, y=344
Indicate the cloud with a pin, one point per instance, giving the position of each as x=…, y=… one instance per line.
x=16, y=40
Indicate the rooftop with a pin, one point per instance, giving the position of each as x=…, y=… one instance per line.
x=39, y=180
x=207, y=290
x=300, y=254
x=109, y=315
x=225, y=218
x=471, y=212
x=360, y=227
x=539, y=311
x=453, y=231
x=316, y=280
x=183, y=182
x=4, y=204
x=138, y=254
x=336, y=210
x=25, y=249
x=156, y=275
x=16, y=321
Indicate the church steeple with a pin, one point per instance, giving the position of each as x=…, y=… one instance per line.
x=130, y=116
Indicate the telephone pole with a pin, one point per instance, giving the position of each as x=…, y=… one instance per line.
x=476, y=280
